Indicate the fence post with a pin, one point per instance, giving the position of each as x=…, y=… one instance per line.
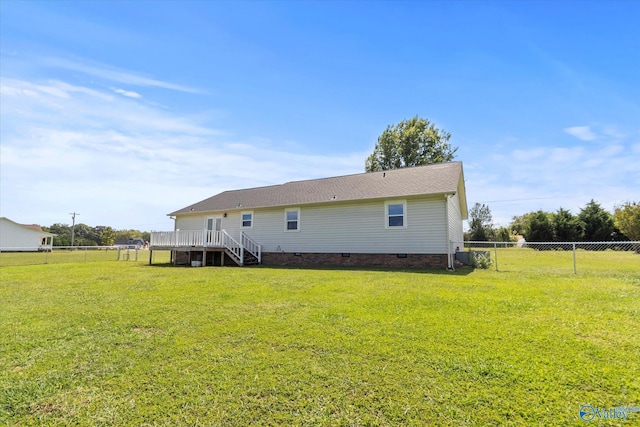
x=495, y=252
x=574, y=259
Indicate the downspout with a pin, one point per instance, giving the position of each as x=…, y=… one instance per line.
x=173, y=258
x=448, y=242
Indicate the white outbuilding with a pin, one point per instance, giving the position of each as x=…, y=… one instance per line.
x=16, y=237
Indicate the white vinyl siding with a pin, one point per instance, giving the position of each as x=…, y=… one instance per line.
x=342, y=227
x=191, y=222
x=356, y=228
x=232, y=223
x=14, y=237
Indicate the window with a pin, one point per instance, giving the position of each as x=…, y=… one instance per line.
x=292, y=220
x=214, y=223
x=395, y=214
x=247, y=219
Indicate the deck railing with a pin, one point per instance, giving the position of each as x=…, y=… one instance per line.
x=176, y=238
x=205, y=238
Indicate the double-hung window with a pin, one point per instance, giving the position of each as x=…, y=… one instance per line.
x=247, y=219
x=395, y=214
x=292, y=219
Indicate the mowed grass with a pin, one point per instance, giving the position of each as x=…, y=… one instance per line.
x=123, y=343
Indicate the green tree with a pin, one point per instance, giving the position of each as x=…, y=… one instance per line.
x=124, y=235
x=480, y=223
x=627, y=219
x=412, y=142
x=62, y=234
x=520, y=223
x=503, y=234
x=85, y=236
x=539, y=227
x=107, y=235
x=565, y=226
x=597, y=224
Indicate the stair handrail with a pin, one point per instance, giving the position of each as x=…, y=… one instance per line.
x=233, y=246
x=252, y=246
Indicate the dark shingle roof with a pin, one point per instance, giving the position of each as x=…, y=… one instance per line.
x=438, y=178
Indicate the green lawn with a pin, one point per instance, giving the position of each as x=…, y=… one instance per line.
x=124, y=343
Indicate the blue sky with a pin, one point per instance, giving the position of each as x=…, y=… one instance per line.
x=126, y=111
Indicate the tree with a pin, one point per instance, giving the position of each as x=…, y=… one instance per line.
x=480, y=223
x=597, y=223
x=124, y=235
x=503, y=234
x=627, y=219
x=565, y=226
x=107, y=235
x=520, y=223
x=92, y=236
x=62, y=234
x=539, y=228
x=412, y=142
x=86, y=236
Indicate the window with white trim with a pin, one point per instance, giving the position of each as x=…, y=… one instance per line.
x=395, y=214
x=292, y=219
x=247, y=219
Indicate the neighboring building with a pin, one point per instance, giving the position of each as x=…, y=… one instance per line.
x=398, y=218
x=16, y=237
x=130, y=243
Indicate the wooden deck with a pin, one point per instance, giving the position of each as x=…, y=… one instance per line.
x=206, y=241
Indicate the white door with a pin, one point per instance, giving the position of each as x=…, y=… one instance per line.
x=214, y=223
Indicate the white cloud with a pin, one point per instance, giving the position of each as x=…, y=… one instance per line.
x=524, y=156
x=127, y=93
x=114, y=74
x=124, y=163
x=566, y=156
x=583, y=133
x=548, y=178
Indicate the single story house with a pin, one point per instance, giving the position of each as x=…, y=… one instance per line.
x=130, y=243
x=398, y=218
x=16, y=237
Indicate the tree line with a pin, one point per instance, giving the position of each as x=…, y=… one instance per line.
x=592, y=224
x=84, y=235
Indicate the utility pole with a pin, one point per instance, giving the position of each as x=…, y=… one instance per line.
x=73, y=227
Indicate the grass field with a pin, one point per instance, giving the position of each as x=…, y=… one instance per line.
x=124, y=343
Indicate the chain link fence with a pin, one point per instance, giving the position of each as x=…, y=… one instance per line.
x=78, y=254
x=583, y=257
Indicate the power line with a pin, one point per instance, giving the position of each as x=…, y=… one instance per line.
x=527, y=199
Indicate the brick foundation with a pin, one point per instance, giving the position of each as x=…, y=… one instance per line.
x=355, y=260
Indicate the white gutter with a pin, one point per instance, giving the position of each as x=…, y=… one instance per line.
x=448, y=242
